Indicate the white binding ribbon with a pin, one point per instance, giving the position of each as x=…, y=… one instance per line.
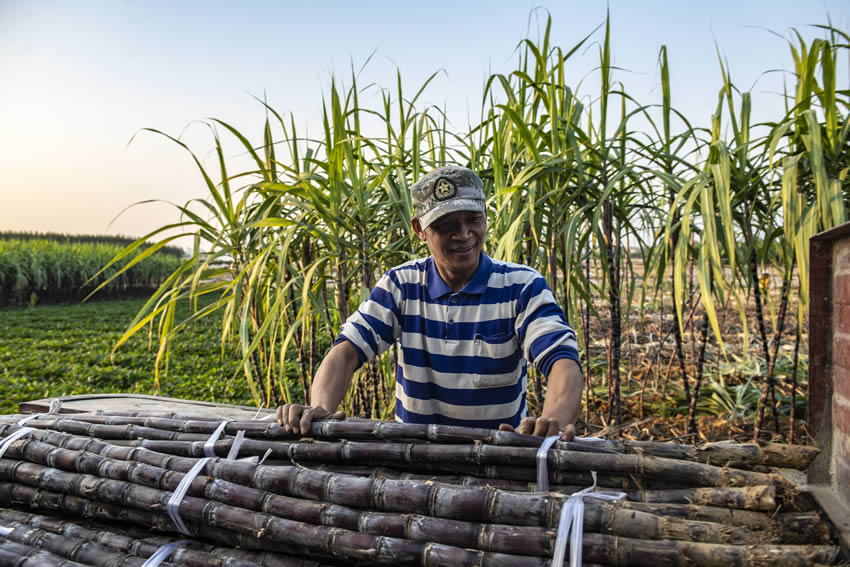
x=256, y=459
x=163, y=552
x=572, y=516
x=7, y=441
x=4, y=531
x=237, y=444
x=543, y=462
x=209, y=444
x=179, y=493
x=55, y=405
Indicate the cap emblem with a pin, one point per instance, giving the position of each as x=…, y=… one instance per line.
x=444, y=189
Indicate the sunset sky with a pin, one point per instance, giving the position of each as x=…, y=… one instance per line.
x=81, y=78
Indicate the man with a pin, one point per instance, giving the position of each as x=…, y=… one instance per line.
x=466, y=325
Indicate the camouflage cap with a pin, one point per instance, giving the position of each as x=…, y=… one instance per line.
x=446, y=190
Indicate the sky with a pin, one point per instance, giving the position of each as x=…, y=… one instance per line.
x=80, y=79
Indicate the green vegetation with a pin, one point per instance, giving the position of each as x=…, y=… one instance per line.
x=55, y=350
x=54, y=268
x=620, y=203
x=82, y=239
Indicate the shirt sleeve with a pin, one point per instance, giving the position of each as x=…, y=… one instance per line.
x=542, y=326
x=376, y=324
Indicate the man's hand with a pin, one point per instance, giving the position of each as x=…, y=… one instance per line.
x=542, y=427
x=296, y=418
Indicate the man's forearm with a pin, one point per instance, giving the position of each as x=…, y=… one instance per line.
x=333, y=377
x=563, y=393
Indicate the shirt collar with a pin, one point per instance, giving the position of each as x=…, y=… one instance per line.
x=477, y=285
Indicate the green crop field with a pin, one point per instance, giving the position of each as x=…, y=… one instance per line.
x=52, y=268
x=65, y=349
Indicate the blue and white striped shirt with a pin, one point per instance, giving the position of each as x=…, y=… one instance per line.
x=463, y=355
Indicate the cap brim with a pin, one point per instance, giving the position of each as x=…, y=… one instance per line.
x=454, y=205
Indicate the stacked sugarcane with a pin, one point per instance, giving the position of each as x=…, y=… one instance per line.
x=365, y=492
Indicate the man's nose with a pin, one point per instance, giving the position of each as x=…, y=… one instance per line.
x=463, y=231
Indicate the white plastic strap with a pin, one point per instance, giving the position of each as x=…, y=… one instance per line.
x=209, y=444
x=177, y=496
x=543, y=462
x=237, y=444
x=572, y=516
x=7, y=441
x=55, y=406
x=267, y=417
x=4, y=531
x=255, y=459
x=163, y=552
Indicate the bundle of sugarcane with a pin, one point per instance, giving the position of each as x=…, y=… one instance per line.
x=103, y=545
x=442, y=449
x=377, y=520
x=175, y=427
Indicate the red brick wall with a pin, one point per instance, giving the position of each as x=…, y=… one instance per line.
x=841, y=366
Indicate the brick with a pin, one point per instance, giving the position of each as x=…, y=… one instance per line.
x=841, y=288
x=841, y=350
x=841, y=323
x=841, y=414
x=841, y=382
x=841, y=256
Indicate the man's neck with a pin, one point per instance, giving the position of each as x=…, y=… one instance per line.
x=457, y=281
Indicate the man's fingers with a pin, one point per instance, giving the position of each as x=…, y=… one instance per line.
x=293, y=418
x=307, y=417
x=278, y=415
x=542, y=428
x=526, y=426
x=506, y=427
x=340, y=415
x=568, y=432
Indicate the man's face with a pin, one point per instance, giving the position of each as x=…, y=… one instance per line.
x=455, y=241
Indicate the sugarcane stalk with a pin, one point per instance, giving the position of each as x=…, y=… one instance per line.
x=13, y=554
x=474, y=504
x=598, y=548
x=720, y=454
x=487, y=537
x=516, y=462
x=737, y=506
x=199, y=555
x=603, y=517
x=347, y=490
x=738, y=497
x=83, y=551
x=615, y=550
x=328, y=540
x=14, y=494
x=160, y=428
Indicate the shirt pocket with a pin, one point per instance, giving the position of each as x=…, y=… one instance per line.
x=497, y=359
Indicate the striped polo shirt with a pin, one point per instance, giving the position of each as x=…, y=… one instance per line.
x=462, y=355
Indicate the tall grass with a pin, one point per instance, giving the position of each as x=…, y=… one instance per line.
x=619, y=202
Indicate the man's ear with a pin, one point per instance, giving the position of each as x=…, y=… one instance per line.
x=417, y=228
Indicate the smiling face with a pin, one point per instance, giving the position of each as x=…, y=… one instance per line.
x=455, y=240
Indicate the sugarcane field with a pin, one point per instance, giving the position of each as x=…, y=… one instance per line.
x=486, y=284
